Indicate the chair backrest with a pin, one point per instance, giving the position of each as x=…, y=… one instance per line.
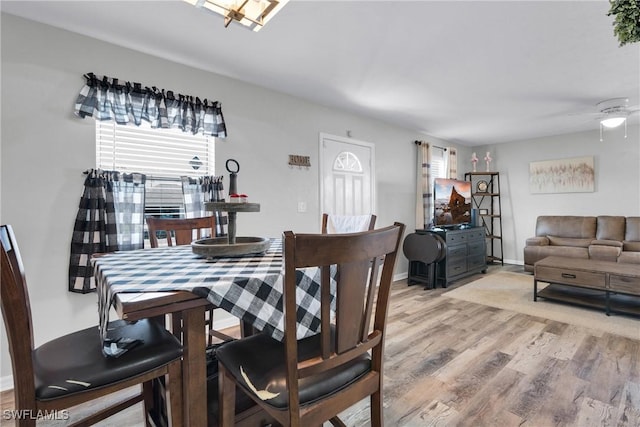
x=333, y=224
x=182, y=229
x=16, y=312
x=349, y=334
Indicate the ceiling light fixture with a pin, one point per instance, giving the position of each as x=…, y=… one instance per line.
x=612, y=122
x=253, y=14
x=614, y=113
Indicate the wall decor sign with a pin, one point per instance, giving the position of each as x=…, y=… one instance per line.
x=302, y=161
x=574, y=175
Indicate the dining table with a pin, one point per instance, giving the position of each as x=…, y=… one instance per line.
x=147, y=283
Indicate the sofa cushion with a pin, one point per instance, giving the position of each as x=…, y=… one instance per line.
x=611, y=228
x=604, y=253
x=568, y=241
x=631, y=246
x=629, y=258
x=532, y=254
x=537, y=241
x=615, y=243
x=632, y=232
x=583, y=227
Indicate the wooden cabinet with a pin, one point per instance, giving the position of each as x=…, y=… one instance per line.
x=466, y=253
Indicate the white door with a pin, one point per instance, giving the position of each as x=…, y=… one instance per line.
x=347, y=176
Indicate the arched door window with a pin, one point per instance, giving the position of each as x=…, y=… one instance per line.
x=347, y=162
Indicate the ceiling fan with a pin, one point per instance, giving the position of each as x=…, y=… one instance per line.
x=614, y=112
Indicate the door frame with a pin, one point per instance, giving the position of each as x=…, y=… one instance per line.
x=345, y=140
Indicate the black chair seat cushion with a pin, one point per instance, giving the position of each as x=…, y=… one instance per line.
x=75, y=363
x=262, y=360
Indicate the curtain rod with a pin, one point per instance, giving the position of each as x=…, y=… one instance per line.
x=435, y=146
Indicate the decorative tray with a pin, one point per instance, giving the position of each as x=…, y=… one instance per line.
x=220, y=247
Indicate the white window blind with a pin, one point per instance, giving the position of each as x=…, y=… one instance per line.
x=438, y=163
x=164, y=155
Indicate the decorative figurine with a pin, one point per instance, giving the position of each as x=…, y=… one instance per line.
x=487, y=158
x=474, y=160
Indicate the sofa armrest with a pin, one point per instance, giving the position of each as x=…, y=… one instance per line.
x=614, y=243
x=537, y=241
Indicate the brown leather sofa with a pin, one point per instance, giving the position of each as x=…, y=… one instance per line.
x=609, y=238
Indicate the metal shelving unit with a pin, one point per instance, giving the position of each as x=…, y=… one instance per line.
x=485, y=197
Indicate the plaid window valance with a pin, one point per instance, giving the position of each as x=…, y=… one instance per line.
x=107, y=99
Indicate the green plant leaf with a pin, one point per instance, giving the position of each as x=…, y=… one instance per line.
x=626, y=24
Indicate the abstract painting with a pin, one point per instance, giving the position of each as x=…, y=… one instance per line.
x=575, y=175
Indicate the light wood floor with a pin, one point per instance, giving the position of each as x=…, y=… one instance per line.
x=456, y=363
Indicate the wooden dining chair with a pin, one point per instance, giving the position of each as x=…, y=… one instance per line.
x=347, y=223
x=72, y=369
x=307, y=382
x=182, y=231
x=179, y=231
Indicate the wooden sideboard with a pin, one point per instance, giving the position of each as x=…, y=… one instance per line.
x=466, y=254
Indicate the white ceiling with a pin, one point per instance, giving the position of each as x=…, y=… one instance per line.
x=471, y=72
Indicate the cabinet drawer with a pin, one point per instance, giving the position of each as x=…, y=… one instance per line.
x=477, y=261
x=457, y=251
x=476, y=235
x=476, y=248
x=585, y=279
x=456, y=238
x=455, y=267
x=624, y=284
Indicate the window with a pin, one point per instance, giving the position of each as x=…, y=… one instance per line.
x=164, y=155
x=438, y=163
x=347, y=162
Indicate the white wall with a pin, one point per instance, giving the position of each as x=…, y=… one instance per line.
x=617, y=186
x=45, y=149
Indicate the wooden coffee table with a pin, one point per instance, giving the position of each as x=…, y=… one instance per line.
x=600, y=284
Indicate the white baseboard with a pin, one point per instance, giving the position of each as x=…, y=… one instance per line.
x=6, y=383
x=400, y=276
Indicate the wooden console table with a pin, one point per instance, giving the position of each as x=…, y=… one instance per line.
x=600, y=284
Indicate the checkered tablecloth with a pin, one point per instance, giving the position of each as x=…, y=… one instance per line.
x=248, y=287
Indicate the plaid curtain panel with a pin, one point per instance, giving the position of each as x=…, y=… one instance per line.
x=107, y=99
x=193, y=198
x=94, y=230
x=424, y=193
x=453, y=162
x=103, y=221
x=129, y=192
x=197, y=191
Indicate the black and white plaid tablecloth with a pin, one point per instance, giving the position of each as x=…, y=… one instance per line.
x=248, y=287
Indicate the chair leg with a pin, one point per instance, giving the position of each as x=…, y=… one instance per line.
x=176, y=325
x=226, y=397
x=376, y=409
x=208, y=323
x=147, y=397
x=337, y=422
x=219, y=335
x=26, y=422
x=174, y=389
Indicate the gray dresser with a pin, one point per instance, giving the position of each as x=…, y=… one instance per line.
x=466, y=253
